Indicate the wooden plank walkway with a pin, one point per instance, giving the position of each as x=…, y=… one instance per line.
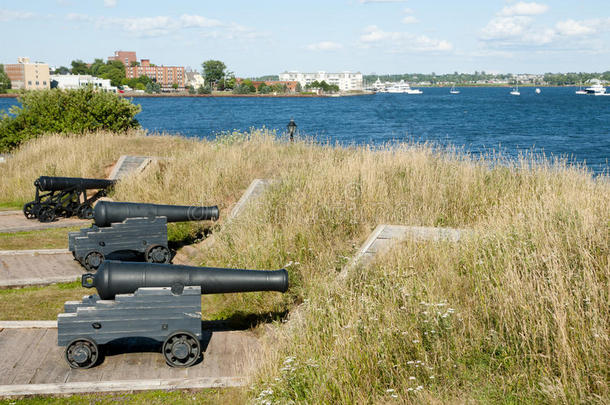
x=32, y=363
x=385, y=236
x=19, y=268
x=15, y=221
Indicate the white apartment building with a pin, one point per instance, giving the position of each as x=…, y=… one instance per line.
x=347, y=81
x=78, y=81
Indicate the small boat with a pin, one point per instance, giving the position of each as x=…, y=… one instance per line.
x=515, y=91
x=580, y=90
x=538, y=91
x=453, y=90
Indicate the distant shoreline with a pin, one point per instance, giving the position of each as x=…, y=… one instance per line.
x=365, y=93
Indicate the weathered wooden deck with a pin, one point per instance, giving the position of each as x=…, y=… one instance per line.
x=32, y=363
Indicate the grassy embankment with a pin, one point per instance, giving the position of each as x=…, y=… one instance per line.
x=517, y=313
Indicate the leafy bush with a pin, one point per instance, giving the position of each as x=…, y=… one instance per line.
x=70, y=111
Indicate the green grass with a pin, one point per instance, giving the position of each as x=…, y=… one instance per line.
x=54, y=238
x=208, y=396
x=38, y=303
x=529, y=293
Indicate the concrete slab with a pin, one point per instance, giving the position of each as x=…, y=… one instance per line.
x=127, y=165
x=15, y=221
x=33, y=364
x=385, y=236
x=37, y=267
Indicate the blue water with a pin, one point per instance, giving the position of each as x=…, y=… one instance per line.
x=556, y=122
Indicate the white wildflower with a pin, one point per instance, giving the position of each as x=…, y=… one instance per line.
x=411, y=378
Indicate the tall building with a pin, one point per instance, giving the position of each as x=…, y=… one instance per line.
x=166, y=76
x=127, y=57
x=28, y=76
x=347, y=81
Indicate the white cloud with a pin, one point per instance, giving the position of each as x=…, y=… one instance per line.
x=189, y=20
x=110, y=3
x=166, y=25
x=11, y=15
x=409, y=19
x=575, y=28
x=407, y=10
x=398, y=42
x=324, y=46
x=523, y=8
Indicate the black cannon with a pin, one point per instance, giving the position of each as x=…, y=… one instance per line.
x=65, y=197
x=154, y=301
x=133, y=227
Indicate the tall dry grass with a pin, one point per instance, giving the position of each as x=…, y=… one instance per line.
x=516, y=314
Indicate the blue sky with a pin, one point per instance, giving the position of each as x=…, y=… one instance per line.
x=268, y=37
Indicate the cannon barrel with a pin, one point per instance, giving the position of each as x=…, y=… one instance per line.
x=49, y=183
x=114, y=277
x=107, y=212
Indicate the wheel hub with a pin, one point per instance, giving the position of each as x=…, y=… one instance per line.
x=81, y=354
x=181, y=350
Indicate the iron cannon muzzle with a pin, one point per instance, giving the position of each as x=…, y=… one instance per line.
x=49, y=183
x=114, y=277
x=107, y=212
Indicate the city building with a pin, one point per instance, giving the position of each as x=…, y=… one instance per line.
x=194, y=79
x=68, y=82
x=347, y=81
x=127, y=57
x=28, y=76
x=166, y=76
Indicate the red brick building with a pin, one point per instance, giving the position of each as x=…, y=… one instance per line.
x=166, y=76
x=127, y=57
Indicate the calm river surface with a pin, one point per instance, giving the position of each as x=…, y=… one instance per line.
x=556, y=122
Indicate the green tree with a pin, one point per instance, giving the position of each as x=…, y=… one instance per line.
x=298, y=88
x=153, y=87
x=65, y=112
x=113, y=70
x=204, y=90
x=79, y=67
x=62, y=70
x=5, y=81
x=96, y=66
x=213, y=71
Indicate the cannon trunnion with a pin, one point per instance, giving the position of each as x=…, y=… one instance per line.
x=64, y=197
x=152, y=301
x=133, y=227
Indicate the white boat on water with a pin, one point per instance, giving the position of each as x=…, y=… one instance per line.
x=454, y=90
x=515, y=91
x=596, y=88
x=402, y=87
x=580, y=90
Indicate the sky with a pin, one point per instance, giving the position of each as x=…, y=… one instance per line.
x=272, y=36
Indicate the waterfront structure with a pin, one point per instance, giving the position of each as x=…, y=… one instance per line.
x=28, y=76
x=347, y=81
x=166, y=76
x=194, y=79
x=68, y=82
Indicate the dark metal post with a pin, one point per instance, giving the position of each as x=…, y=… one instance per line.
x=292, y=126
